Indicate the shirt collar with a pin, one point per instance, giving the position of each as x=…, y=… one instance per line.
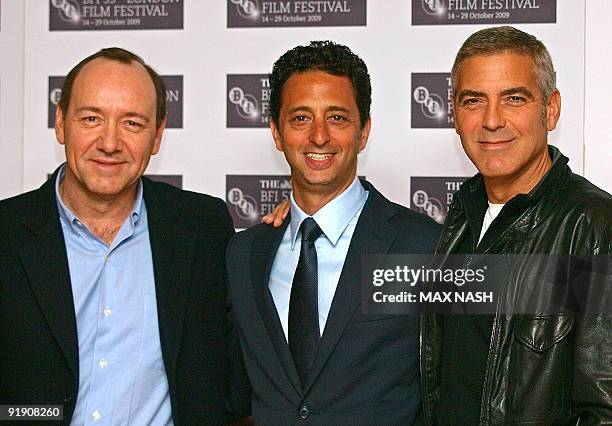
x=71, y=218
x=334, y=217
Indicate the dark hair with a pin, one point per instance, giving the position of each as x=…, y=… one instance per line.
x=322, y=56
x=125, y=57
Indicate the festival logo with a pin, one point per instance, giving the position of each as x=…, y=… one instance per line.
x=431, y=101
x=295, y=13
x=488, y=12
x=96, y=15
x=249, y=197
x=433, y=195
x=248, y=98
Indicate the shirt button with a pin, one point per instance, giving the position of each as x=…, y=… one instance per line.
x=96, y=415
x=107, y=259
x=107, y=311
x=103, y=363
x=304, y=412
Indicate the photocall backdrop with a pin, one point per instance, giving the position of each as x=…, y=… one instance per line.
x=214, y=56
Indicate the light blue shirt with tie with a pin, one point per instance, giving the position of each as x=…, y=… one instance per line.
x=337, y=219
x=122, y=380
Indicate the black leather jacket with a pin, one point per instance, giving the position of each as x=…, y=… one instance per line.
x=541, y=369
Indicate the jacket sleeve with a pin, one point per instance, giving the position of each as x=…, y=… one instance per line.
x=238, y=398
x=592, y=369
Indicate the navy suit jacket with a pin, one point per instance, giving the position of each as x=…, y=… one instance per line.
x=366, y=370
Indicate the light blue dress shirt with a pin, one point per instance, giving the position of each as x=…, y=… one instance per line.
x=122, y=379
x=337, y=220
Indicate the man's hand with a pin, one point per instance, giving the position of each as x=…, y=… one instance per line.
x=278, y=214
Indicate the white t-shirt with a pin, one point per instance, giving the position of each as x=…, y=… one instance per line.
x=490, y=215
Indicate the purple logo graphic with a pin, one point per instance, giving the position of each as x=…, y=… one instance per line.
x=487, y=12
x=295, y=13
x=433, y=195
x=431, y=101
x=248, y=97
x=96, y=15
x=249, y=197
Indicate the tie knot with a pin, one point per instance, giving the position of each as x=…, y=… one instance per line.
x=310, y=230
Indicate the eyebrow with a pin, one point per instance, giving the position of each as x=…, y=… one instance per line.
x=328, y=109
x=510, y=91
x=99, y=111
x=473, y=93
x=337, y=108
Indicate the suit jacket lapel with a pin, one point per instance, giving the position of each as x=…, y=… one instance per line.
x=172, y=248
x=373, y=235
x=46, y=264
x=270, y=241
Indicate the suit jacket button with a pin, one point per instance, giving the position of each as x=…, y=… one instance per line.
x=68, y=400
x=304, y=412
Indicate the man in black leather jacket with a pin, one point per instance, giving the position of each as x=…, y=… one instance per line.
x=536, y=367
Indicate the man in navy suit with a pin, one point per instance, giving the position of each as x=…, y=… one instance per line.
x=312, y=356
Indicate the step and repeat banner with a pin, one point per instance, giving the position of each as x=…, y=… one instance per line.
x=215, y=56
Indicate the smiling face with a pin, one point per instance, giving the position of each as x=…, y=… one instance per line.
x=109, y=130
x=320, y=134
x=501, y=120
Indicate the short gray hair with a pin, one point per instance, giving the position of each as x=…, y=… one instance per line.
x=499, y=40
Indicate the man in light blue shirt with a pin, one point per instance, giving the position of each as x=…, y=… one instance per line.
x=337, y=219
x=310, y=354
x=113, y=295
x=121, y=370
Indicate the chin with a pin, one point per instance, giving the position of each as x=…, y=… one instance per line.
x=106, y=189
x=317, y=179
x=493, y=168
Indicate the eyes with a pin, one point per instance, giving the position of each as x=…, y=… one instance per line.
x=91, y=121
x=302, y=119
x=516, y=99
x=134, y=124
x=474, y=102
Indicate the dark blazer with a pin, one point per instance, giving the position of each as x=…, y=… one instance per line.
x=366, y=369
x=38, y=335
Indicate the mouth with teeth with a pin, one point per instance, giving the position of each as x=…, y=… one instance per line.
x=318, y=161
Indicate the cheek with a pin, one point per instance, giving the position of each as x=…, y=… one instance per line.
x=138, y=152
x=291, y=144
x=78, y=148
x=467, y=123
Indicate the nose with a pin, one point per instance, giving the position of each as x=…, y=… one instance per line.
x=110, y=139
x=319, y=134
x=493, y=118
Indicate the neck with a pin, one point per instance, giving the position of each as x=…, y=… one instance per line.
x=503, y=188
x=102, y=215
x=313, y=200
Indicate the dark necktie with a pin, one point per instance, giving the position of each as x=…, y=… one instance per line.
x=303, y=307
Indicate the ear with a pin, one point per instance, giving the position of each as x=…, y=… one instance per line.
x=276, y=135
x=158, y=135
x=553, y=110
x=59, y=125
x=365, y=134
x=455, y=116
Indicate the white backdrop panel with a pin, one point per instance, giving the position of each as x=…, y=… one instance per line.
x=204, y=151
